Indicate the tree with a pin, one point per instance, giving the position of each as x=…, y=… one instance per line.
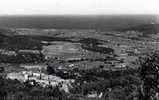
x=149, y=74
x=3, y=92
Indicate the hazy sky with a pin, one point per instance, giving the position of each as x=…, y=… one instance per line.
x=79, y=7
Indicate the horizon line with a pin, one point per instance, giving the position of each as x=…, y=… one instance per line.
x=78, y=14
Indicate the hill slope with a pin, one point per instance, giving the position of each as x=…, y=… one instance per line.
x=144, y=28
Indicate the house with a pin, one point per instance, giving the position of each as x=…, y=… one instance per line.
x=73, y=59
x=122, y=65
x=71, y=65
x=94, y=94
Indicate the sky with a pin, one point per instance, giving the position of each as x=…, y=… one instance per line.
x=79, y=7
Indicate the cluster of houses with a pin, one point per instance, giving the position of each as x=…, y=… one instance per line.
x=42, y=79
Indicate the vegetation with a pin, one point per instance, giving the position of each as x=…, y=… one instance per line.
x=149, y=73
x=22, y=58
x=14, y=90
x=129, y=84
x=92, y=45
x=144, y=28
x=120, y=84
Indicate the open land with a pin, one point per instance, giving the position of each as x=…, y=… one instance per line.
x=85, y=64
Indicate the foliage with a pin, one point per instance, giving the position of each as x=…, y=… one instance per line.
x=149, y=73
x=25, y=91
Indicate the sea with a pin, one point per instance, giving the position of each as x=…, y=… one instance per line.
x=98, y=22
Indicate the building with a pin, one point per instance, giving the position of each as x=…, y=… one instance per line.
x=42, y=79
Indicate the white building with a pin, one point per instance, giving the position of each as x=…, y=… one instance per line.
x=42, y=79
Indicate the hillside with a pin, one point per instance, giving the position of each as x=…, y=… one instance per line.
x=144, y=28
